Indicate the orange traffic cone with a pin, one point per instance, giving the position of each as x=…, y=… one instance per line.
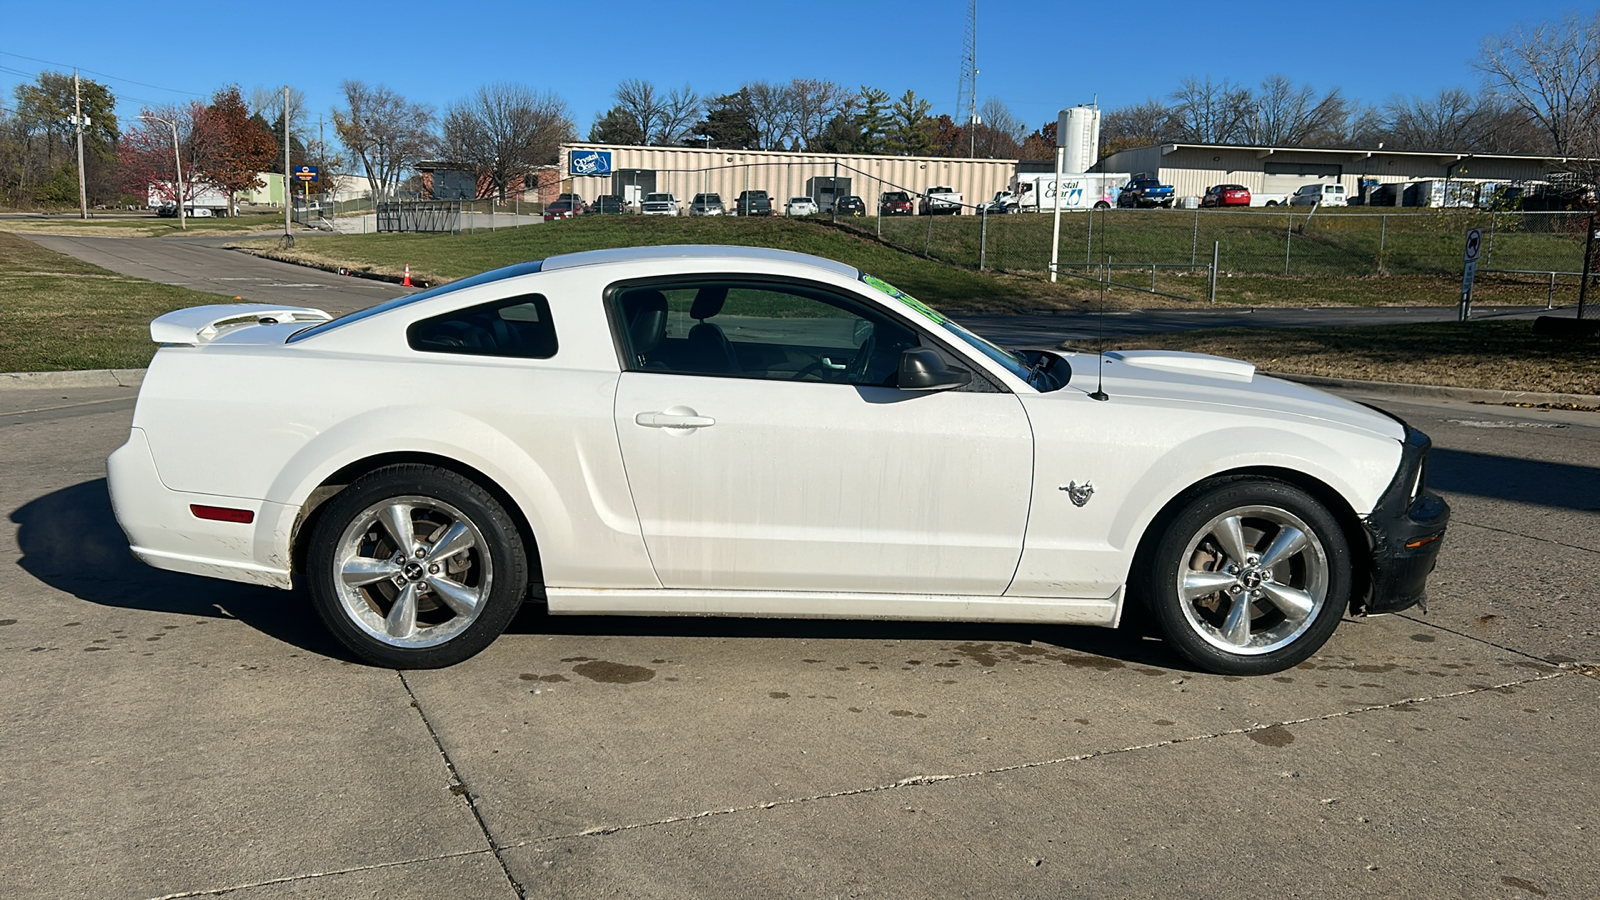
x=407, y=282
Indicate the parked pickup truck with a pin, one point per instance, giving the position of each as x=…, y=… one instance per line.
x=940, y=201
x=1145, y=192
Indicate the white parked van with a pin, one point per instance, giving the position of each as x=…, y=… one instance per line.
x=1319, y=194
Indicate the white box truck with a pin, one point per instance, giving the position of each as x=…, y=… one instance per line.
x=204, y=200
x=1037, y=192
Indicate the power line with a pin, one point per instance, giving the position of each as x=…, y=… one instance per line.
x=101, y=74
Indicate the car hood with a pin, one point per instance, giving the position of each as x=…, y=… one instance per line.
x=1175, y=378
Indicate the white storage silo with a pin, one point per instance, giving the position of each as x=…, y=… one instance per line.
x=1078, y=133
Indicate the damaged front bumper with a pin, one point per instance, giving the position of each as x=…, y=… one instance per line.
x=1405, y=531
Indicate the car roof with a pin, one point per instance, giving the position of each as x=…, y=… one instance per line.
x=696, y=252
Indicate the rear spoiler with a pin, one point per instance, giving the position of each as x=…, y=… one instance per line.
x=199, y=324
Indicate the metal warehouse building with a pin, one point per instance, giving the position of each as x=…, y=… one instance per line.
x=1191, y=168
x=631, y=172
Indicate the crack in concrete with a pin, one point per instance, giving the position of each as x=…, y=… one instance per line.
x=307, y=876
x=919, y=780
x=466, y=792
x=1475, y=639
x=911, y=781
x=1531, y=537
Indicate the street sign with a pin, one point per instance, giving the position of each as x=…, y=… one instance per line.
x=306, y=173
x=1469, y=271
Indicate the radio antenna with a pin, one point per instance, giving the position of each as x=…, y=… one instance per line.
x=1105, y=276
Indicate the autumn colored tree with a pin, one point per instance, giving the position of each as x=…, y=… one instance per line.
x=146, y=152
x=949, y=139
x=1041, y=144
x=230, y=149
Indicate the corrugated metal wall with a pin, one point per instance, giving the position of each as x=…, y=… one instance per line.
x=686, y=171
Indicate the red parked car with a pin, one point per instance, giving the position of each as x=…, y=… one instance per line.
x=561, y=209
x=895, y=203
x=1226, y=195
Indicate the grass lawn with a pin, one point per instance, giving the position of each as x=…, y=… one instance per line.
x=442, y=257
x=1499, y=355
x=1421, y=248
x=1018, y=249
x=129, y=224
x=66, y=314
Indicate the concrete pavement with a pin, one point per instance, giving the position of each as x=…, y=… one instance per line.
x=167, y=735
x=202, y=264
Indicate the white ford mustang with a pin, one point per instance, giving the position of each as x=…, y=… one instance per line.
x=733, y=431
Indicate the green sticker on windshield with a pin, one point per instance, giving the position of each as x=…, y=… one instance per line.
x=927, y=311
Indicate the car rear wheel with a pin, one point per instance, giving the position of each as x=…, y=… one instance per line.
x=1250, y=577
x=414, y=567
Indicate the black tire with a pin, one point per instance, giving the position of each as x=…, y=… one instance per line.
x=1101, y=204
x=487, y=575
x=1292, y=604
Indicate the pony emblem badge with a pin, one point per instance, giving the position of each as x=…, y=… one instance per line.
x=1079, y=495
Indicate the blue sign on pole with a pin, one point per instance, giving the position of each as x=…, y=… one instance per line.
x=305, y=173
x=590, y=162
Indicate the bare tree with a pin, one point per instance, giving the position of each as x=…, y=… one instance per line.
x=1552, y=72
x=503, y=131
x=772, y=112
x=644, y=114
x=267, y=102
x=815, y=103
x=1210, y=112
x=386, y=133
x=999, y=135
x=640, y=104
x=1284, y=115
x=679, y=112
x=1139, y=125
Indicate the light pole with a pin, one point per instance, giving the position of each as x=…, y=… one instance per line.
x=178, y=163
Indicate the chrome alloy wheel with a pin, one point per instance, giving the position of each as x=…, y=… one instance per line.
x=412, y=571
x=1253, y=579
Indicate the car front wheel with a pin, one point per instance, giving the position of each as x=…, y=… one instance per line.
x=1250, y=577
x=414, y=567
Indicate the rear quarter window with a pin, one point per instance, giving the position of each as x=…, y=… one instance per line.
x=519, y=327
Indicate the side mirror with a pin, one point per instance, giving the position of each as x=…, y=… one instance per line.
x=923, y=369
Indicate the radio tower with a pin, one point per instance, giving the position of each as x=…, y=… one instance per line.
x=967, y=94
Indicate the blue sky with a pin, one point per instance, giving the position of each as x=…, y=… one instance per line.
x=1036, y=56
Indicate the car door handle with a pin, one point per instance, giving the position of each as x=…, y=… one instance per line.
x=672, y=420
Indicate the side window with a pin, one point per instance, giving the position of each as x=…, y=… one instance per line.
x=760, y=330
x=518, y=327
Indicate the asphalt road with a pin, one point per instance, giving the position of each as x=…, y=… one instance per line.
x=164, y=735
x=203, y=264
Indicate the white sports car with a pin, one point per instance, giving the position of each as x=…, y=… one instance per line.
x=736, y=431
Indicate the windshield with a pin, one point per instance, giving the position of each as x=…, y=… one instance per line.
x=1010, y=361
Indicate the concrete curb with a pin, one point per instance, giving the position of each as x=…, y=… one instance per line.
x=268, y=253
x=75, y=379
x=1437, y=392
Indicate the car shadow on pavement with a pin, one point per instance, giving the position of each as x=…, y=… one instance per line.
x=70, y=541
x=1129, y=645
x=1532, y=481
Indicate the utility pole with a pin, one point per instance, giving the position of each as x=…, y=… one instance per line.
x=288, y=199
x=77, y=124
